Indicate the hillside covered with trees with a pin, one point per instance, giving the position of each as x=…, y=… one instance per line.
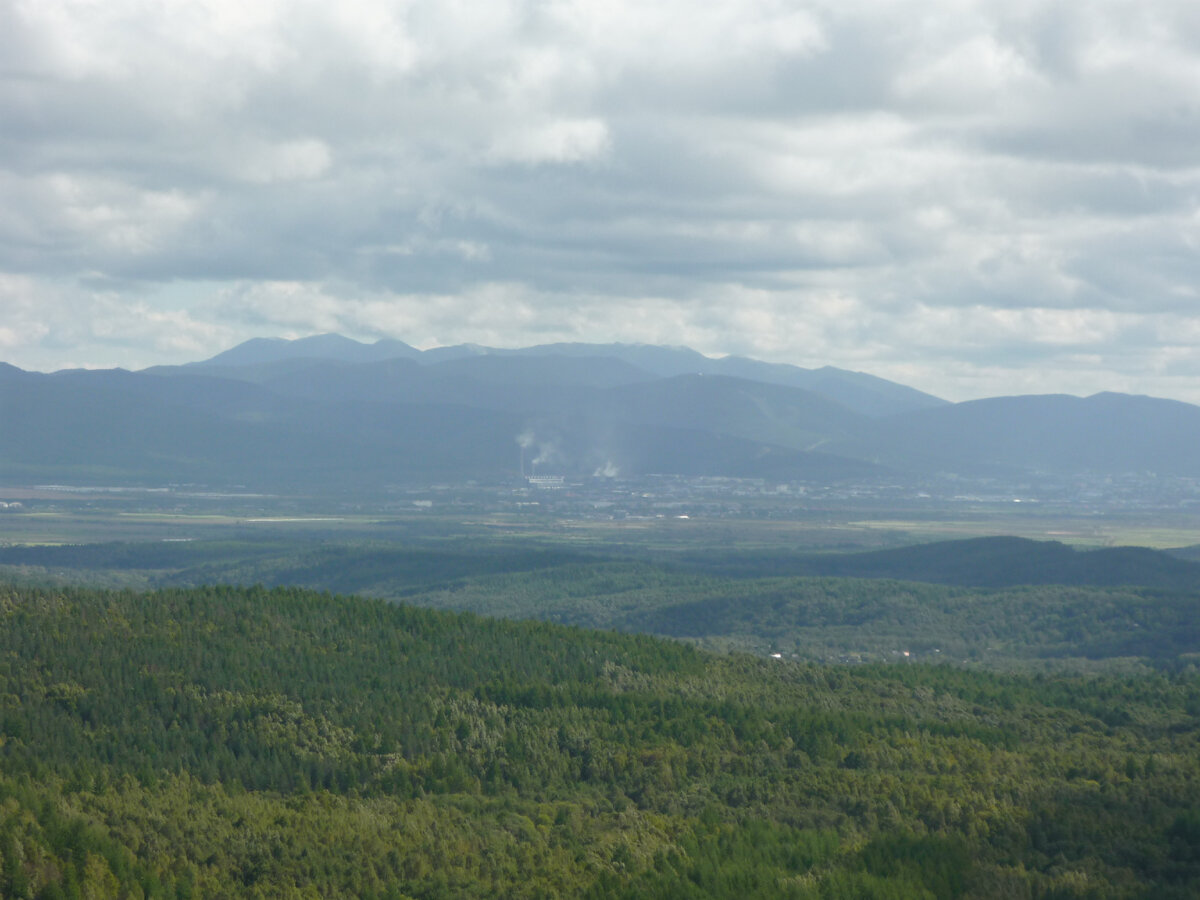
x=284, y=743
x=1002, y=602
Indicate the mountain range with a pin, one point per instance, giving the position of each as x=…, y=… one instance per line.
x=328, y=411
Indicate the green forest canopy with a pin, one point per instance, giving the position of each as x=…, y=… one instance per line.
x=253, y=742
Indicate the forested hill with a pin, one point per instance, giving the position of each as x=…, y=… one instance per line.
x=1046, y=602
x=254, y=743
x=973, y=562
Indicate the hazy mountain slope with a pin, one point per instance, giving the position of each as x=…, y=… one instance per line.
x=257, y=351
x=598, y=389
x=862, y=393
x=657, y=360
x=542, y=371
x=118, y=425
x=530, y=385
x=1054, y=433
x=857, y=391
x=147, y=428
x=460, y=418
x=770, y=413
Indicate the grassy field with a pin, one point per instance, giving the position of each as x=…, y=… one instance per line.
x=69, y=516
x=68, y=526
x=1078, y=532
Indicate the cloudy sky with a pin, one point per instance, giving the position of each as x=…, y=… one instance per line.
x=971, y=197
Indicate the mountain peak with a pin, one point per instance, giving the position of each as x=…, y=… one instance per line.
x=262, y=350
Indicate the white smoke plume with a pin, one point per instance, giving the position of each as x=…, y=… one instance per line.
x=547, y=452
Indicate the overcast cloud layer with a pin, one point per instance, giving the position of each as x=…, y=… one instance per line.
x=973, y=198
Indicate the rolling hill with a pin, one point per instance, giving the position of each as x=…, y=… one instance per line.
x=1003, y=602
x=223, y=742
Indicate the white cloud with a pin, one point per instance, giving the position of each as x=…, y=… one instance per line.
x=954, y=192
x=297, y=160
x=23, y=325
x=565, y=141
x=91, y=217
x=50, y=325
x=972, y=76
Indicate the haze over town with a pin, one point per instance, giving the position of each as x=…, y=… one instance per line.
x=970, y=198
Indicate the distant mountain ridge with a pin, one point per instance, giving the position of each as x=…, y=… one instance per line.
x=258, y=351
x=331, y=411
x=856, y=390
x=1051, y=432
